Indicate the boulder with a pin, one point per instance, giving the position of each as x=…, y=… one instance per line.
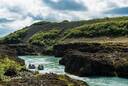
x=31, y=66
x=10, y=72
x=41, y=67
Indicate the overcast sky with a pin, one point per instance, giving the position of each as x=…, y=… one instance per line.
x=16, y=14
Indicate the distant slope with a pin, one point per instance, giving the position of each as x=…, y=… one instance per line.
x=111, y=29
x=45, y=26
x=39, y=33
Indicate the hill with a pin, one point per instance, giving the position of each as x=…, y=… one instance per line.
x=42, y=36
x=109, y=27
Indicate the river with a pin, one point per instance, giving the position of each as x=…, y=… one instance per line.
x=51, y=64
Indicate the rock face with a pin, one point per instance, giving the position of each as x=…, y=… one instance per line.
x=60, y=49
x=93, y=59
x=96, y=64
x=6, y=50
x=28, y=49
x=22, y=49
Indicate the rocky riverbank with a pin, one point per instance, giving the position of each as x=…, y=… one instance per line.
x=93, y=59
x=44, y=80
x=13, y=73
x=88, y=48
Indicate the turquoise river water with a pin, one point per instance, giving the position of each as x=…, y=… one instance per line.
x=51, y=64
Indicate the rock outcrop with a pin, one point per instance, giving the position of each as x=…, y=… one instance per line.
x=40, y=67
x=94, y=59
x=7, y=51
x=96, y=64
x=31, y=66
x=28, y=49
x=10, y=72
x=60, y=49
x=22, y=49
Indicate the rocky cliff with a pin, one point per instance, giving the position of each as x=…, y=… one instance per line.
x=7, y=51
x=94, y=59
x=61, y=49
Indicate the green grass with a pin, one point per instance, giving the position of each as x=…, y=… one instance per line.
x=95, y=28
x=15, y=37
x=46, y=38
x=5, y=64
x=92, y=21
x=109, y=29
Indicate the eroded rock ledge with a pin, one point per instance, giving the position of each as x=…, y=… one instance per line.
x=7, y=51
x=60, y=49
x=93, y=59
x=96, y=64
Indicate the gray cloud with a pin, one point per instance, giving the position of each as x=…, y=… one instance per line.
x=15, y=14
x=70, y=5
x=118, y=11
x=4, y=20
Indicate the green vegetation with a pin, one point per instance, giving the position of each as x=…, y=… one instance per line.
x=109, y=29
x=96, y=28
x=8, y=64
x=15, y=37
x=106, y=19
x=48, y=34
x=92, y=21
x=46, y=38
x=66, y=79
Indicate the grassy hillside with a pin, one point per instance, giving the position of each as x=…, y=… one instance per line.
x=25, y=34
x=109, y=29
x=15, y=37
x=45, y=38
x=50, y=33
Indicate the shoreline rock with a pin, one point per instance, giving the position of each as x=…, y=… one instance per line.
x=61, y=49
x=96, y=64
x=45, y=80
